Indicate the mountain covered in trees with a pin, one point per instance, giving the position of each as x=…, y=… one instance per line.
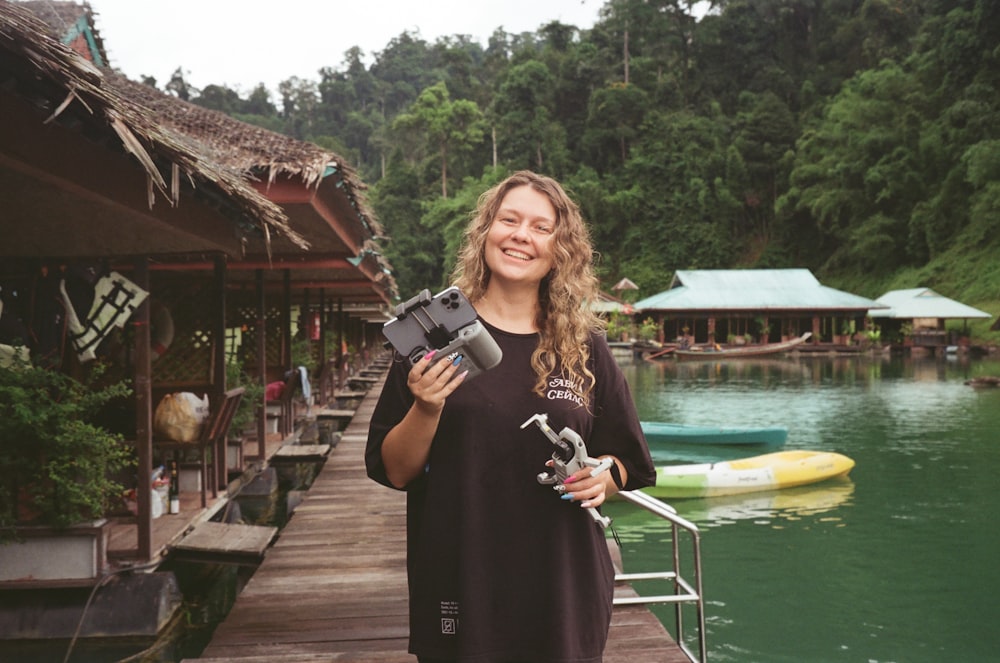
x=857, y=138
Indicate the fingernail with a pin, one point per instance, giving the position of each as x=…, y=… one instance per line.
x=430, y=355
x=457, y=360
x=559, y=488
x=585, y=505
x=570, y=479
x=567, y=496
x=461, y=376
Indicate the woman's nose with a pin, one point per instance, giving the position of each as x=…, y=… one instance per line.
x=520, y=232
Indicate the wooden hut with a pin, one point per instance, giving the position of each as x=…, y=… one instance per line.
x=917, y=318
x=225, y=227
x=753, y=306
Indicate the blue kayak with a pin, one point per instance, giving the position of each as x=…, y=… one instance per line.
x=664, y=436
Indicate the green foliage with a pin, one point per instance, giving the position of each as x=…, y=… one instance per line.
x=857, y=139
x=446, y=128
x=619, y=327
x=648, y=329
x=57, y=465
x=253, y=395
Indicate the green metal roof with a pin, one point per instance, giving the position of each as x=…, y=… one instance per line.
x=751, y=290
x=923, y=303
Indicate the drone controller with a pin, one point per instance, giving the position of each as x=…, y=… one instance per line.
x=569, y=458
x=447, y=323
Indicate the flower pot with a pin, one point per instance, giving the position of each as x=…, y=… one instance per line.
x=78, y=552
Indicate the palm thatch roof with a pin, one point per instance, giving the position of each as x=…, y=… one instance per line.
x=71, y=24
x=259, y=154
x=72, y=92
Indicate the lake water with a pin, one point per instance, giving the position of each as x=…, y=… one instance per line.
x=898, y=563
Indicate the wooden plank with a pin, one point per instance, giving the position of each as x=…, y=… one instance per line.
x=301, y=452
x=333, y=413
x=225, y=542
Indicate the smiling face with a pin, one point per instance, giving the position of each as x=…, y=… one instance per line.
x=520, y=239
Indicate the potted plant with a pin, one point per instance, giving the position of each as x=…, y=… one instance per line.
x=253, y=395
x=648, y=330
x=58, y=466
x=617, y=327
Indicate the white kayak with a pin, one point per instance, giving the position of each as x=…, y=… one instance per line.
x=781, y=469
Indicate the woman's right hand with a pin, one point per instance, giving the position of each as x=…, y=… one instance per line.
x=407, y=445
x=432, y=382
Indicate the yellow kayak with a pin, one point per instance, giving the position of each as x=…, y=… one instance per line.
x=781, y=469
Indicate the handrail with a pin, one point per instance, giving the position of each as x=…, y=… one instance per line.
x=684, y=591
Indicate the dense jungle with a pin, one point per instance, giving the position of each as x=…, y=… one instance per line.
x=857, y=138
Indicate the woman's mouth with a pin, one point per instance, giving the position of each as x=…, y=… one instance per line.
x=520, y=255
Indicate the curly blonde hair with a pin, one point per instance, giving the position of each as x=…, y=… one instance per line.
x=565, y=317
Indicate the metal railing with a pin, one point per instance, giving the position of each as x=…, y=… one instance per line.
x=685, y=592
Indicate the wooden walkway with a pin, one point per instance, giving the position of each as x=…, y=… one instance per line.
x=333, y=586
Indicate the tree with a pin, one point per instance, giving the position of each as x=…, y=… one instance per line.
x=179, y=86
x=299, y=99
x=858, y=174
x=414, y=251
x=528, y=137
x=615, y=115
x=447, y=126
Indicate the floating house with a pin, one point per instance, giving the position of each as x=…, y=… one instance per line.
x=226, y=231
x=754, y=305
x=918, y=317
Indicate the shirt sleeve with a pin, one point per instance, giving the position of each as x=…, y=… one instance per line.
x=617, y=430
x=393, y=404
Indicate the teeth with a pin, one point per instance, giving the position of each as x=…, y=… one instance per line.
x=517, y=254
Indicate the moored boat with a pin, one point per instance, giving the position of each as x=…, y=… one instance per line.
x=736, y=351
x=781, y=469
x=662, y=435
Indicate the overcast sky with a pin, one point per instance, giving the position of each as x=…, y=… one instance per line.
x=240, y=43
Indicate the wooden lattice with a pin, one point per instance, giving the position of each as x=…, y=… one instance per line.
x=189, y=302
x=241, y=320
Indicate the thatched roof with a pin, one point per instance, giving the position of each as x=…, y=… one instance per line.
x=256, y=152
x=70, y=20
x=72, y=91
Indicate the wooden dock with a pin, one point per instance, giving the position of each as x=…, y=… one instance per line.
x=333, y=586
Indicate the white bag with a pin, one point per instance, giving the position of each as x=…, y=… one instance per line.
x=180, y=417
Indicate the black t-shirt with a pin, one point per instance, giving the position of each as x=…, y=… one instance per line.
x=500, y=568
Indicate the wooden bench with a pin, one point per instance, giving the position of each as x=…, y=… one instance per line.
x=213, y=436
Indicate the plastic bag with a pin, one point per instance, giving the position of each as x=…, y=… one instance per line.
x=180, y=417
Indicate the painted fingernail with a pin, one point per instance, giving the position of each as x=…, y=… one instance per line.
x=457, y=360
x=570, y=479
x=461, y=376
x=585, y=505
x=567, y=496
x=430, y=355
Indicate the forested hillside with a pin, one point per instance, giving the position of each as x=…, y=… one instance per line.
x=857, y=138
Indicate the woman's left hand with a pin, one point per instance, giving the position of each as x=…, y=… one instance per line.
x=587, y=490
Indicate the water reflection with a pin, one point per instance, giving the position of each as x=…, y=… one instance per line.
x=771, y=506
x=895, y=564
x=764, y=508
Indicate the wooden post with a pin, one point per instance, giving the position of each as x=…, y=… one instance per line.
x=286, y=322
x=219, y=370
x=261, y=366
x=143, y=416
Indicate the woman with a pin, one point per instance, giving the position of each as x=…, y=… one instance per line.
x=500, y=568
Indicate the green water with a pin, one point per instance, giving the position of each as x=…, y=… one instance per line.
x=896, y=564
